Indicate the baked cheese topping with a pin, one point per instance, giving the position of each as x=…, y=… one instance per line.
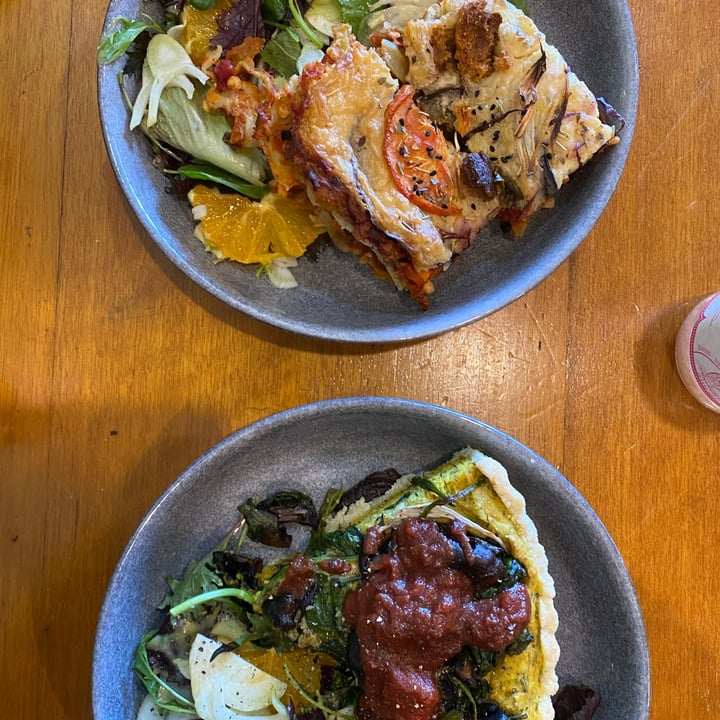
x=338, y=130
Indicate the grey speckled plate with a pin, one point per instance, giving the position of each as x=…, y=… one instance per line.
x=338, y=299
x=337, y=442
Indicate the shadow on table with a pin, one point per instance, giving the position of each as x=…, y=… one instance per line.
x=90, y=521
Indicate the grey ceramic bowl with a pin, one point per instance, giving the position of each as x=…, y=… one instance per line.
x=338, y=299
x=334, y=443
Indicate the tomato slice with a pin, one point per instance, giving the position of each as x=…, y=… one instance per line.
x=416, y=153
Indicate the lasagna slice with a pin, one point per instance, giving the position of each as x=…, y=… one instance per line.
x=329, y=126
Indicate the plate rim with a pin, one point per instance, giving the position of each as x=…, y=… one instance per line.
x=352, y=406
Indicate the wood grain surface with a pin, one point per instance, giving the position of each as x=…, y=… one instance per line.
x=116, y=371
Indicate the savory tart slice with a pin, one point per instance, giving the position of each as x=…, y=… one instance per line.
x=422, y=655
x=332, y=138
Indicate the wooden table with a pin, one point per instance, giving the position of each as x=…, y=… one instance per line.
x=116, y=371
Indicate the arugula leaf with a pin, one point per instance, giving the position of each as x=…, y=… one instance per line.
x=211, y=173
x=343, y=543
x=116, y=44
x=203, y=4
x=163, y=694
x=483, y=660
x=199, y=578
x=323, y=618
x=264, y=634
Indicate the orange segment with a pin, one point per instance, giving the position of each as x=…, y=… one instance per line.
x=200, y=27
x=237, y=228
x=304, y=665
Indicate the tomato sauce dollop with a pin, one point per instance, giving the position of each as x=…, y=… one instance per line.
x=413, y=613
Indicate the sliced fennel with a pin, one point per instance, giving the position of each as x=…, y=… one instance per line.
x=395, y=13
x=279, y=273
x=227, y=687
x=323, y=15
x=167, y=64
